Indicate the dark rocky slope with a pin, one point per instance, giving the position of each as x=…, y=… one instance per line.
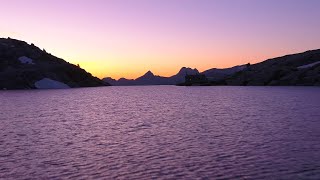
x=301, y=69
x=215, y=74
x=24, y=66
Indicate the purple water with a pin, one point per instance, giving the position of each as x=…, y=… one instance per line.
x=161, y=132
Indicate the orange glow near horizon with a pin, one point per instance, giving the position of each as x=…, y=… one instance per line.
x=134, y=71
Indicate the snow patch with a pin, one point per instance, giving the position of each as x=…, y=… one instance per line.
x=25, y=60
x=47, y=83
x=308, y=65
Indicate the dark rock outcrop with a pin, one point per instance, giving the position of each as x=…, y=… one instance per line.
x=22, y=65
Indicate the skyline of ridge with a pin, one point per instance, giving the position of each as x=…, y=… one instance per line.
x=177, y=72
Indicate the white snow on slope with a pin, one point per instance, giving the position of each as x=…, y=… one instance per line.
x=47, y=83
x=308, y=65
x=25, y=60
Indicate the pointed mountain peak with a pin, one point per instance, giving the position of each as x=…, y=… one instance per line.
x=149, y=73
x=186, y=70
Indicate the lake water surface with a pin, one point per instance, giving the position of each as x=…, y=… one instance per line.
x=161, y=132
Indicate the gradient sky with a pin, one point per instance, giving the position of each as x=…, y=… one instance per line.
x=126, y=38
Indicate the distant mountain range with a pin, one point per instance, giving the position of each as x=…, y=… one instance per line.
x=150, y=79
x=290, y=70
x=24, y=66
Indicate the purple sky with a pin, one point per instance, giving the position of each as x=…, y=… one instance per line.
x=128, y=37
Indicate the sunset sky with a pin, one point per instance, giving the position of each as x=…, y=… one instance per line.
x=126, y=38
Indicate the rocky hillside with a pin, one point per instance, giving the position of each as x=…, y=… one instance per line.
x=24, y=66
x=215, y=74
x=301, y=69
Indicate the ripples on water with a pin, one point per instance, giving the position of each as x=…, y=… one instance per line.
x=163, y=132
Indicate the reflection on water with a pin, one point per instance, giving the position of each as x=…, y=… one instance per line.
x=164, y=132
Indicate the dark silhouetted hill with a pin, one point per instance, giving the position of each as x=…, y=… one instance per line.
x=301, y=69
x=24, y=66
